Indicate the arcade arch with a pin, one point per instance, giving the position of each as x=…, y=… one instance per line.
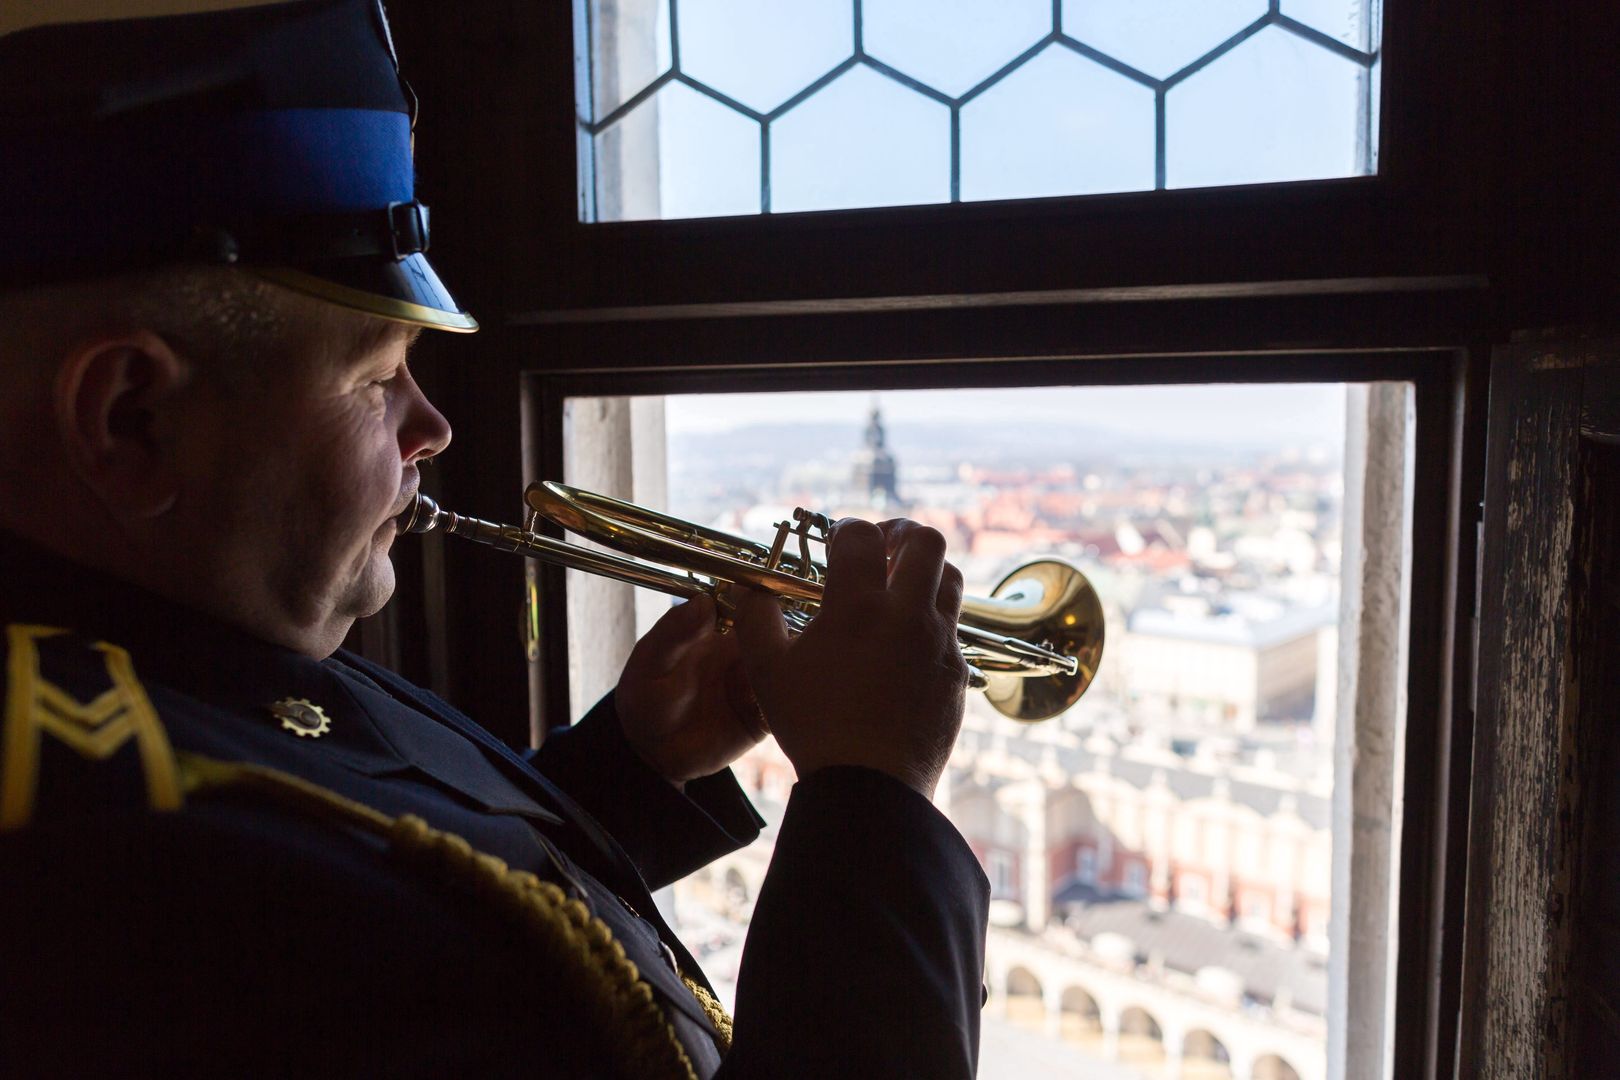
x=1141, y=1038
x=1081, y=1016
x=1204, y=1057
x=1143, y=1023
x=1273, y=1067
x=1025, y=1004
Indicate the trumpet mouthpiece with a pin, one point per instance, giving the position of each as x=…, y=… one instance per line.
x=420, y=517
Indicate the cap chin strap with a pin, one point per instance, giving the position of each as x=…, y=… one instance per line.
x=398, y=230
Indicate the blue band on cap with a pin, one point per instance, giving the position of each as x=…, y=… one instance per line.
x=117, y=191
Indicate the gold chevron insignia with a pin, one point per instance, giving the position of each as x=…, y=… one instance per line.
x=96, y=729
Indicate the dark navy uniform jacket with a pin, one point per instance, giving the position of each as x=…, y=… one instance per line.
x=227, y=936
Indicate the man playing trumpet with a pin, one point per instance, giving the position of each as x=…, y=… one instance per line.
x=227, y=845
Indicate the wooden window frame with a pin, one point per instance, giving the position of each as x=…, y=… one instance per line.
x=1417, y=218
x=1438, y=723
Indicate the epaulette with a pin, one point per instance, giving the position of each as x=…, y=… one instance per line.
x=78, y=730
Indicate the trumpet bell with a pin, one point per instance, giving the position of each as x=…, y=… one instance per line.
x=1052, y=603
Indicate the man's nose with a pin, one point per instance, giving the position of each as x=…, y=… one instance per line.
x=425, y=431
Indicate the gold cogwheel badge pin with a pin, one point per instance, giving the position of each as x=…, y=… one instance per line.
x=302, y=717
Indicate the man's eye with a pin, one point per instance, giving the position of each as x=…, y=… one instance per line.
x=385, y=378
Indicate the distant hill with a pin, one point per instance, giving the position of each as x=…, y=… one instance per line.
x=947, y=444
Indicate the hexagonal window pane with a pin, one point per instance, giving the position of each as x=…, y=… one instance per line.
x=630, y=47
x=953, y=45
x=864, y=140
x=1281, y=102
x=678, y=154
x=1350, y=21
x=1275, y=108
x=1158, y=37
x=1059, y=125
x=762, y=52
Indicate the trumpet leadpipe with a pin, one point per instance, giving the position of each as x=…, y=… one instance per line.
x=425, y=515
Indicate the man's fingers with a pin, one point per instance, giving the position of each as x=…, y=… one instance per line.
x=761, y=632
x=919, y=559
x=664, y=647
x=857, y=562
x=949, y=597
x=742, y=702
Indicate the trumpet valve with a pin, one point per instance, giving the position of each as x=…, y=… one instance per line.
x=725, y=609
x=774, y=559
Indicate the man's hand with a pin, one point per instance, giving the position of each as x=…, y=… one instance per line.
x=877, y=679
x=684, y=699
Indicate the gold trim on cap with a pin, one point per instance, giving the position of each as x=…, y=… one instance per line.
x=387, y=307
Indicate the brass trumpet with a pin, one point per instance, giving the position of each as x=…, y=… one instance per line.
x=1033, y=644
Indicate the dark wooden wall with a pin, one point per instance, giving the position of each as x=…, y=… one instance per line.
x=1540, y=850
x=1595, y=979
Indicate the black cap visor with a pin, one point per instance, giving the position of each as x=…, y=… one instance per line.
x=404, y=290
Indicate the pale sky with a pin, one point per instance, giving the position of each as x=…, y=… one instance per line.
x=1303, y=414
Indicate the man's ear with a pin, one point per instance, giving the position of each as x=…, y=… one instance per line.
x=107, y=396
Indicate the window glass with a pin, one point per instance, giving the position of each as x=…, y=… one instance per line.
x=1061, y=124
x=1277, y=107
x=1159, y=37
x=1354, y=22
x=762, y=52
x=863, y=140
x=708, y=176
x=864, y=103
x=630, y=44
x=1161, y=855
x=953, y=45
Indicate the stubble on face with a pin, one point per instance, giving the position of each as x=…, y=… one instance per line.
x=307, y=476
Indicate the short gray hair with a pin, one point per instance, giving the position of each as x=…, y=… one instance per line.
x=235, y=329
x=232, y=324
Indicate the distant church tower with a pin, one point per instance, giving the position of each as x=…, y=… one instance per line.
x=874, y=472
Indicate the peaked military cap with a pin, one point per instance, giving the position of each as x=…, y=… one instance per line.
x=271, y=135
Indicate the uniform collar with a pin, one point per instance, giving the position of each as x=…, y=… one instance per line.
x=199, y=654
x=177, y=646
x=46, y=589
x=193, y=653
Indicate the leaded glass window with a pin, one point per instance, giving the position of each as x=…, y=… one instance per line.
x=704, y=108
